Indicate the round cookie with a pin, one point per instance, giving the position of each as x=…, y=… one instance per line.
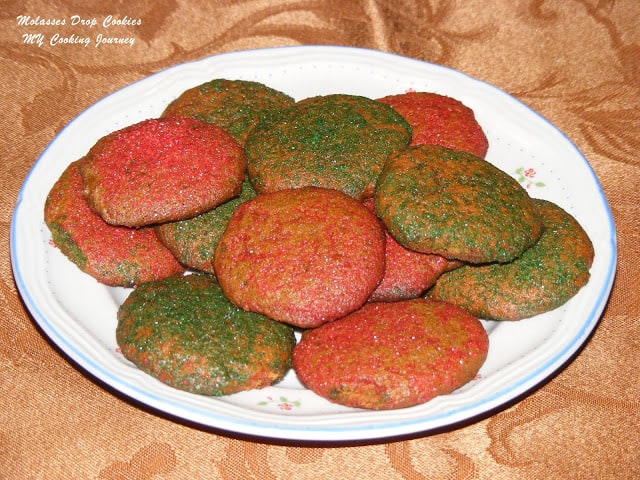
x=334, y=141
x=235, y=105
x=161, y=170
x=436, y=200
x=115, y=256
x=407, y=274
x=392, y=355
x=543, y=278
x=301, y=256
x=193, y=241
x=184, y=332
x=440, y=120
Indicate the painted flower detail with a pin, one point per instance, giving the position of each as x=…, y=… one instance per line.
x=526, y=177
x=283, y=403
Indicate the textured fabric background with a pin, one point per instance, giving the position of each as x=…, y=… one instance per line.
x=575, y=61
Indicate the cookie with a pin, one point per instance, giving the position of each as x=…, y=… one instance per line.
x=543, y=278
x=301, y=256
x=115, y=256
x=392, y=355
x=162, y=170
x=334, y=141
x=193, y=241
x=440, y=120
x=407, y=274
x=235, y=105
x=184, y=332
x=441, y=201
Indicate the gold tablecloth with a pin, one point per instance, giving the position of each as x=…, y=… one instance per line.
x=577, y=62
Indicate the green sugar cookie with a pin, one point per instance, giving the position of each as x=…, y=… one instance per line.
x=332, y=141
x=183, y=331
x=544, y=277
x=193, y=241
x=234, y=105
x=436, y=200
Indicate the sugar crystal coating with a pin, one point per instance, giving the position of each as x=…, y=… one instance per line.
x=301, y=256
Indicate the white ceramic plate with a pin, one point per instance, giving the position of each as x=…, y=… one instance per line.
x=79, y=315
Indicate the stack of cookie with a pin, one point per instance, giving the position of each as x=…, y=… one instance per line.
x=374, y=227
